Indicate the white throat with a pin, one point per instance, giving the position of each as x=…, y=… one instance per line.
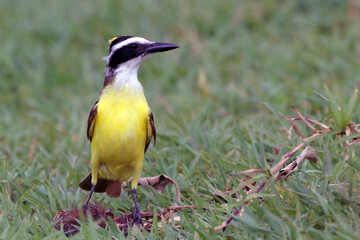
x=126, y=75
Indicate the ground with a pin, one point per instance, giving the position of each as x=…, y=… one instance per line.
x=216, y=102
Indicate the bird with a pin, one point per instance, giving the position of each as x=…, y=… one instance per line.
x=121, y=124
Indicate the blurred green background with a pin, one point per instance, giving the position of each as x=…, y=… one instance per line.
x=238, y=64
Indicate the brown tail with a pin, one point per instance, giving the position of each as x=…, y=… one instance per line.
x=111, y=187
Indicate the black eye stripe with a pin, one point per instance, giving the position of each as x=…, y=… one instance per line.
x=133, y=46
x=126, y=53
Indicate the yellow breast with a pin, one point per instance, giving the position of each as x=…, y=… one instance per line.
x=120, y=133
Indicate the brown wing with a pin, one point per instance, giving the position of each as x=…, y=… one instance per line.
x=151, y=131
x=91, y=121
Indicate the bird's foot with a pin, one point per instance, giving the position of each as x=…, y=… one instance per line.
x=84, y=208
x=137, y=218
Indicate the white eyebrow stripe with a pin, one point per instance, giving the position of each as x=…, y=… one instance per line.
x=128, y=41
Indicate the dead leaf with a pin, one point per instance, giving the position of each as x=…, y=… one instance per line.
x=69, y=218
x=307, y=153
x=124, y=221
x=158, y=183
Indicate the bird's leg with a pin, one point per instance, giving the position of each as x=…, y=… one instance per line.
x=136, y=211
x=88, y=198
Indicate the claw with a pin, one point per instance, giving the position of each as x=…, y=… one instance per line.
x=137, y=218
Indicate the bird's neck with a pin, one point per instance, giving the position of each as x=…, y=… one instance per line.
x=123, y=78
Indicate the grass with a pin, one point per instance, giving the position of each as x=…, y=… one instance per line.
x=240, y=63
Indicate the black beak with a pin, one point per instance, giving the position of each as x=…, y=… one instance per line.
x=161, y=47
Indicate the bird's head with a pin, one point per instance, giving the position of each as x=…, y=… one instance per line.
x=127, y=52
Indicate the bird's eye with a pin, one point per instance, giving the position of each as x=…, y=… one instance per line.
x=133, y=46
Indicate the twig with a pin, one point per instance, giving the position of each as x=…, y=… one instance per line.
x=288, y=132
x=293, y=126
x=303, y=119
x=180, y=208
x=288, y=155
x=250, y=171
x=296, y=129
x=353, y=128
x=226, y=223
x=347, y=142
x=320, y=95
x=32, y=149
x=276, y=168
x=307, y=153
x=355, y=141
x=312, y=121
x=195, y=145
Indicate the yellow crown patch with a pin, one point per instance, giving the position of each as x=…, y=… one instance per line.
x=111, y=40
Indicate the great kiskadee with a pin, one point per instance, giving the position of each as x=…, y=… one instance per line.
x=121, y=124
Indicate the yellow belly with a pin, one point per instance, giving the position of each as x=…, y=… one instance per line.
x=119, y=136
